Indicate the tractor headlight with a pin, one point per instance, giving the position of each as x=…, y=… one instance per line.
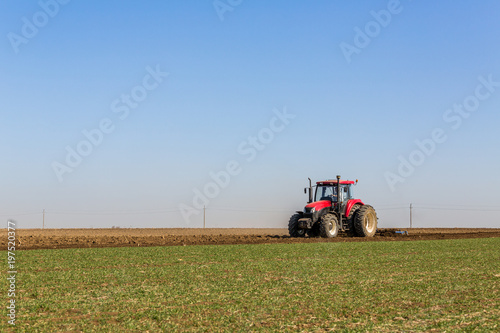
x=309, y=210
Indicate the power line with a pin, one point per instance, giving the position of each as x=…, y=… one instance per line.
x=395, y=208
x=249, y=210
x=474, y=208
x=461, y=209
x=393, y=205
x=111, y=212
x=411, y=216
x=20, y=214
x=457, y=205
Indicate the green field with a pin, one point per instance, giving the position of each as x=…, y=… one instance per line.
x=445, y=285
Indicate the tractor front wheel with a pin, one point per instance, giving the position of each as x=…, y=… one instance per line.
x=365, y=221
x=293, y=227
x=328, y=227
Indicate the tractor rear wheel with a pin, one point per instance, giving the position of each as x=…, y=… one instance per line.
x=293, y=227
x=365, y=221
x=328, y=227
x=350, y=220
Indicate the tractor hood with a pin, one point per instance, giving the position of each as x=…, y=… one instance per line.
x=319, y=205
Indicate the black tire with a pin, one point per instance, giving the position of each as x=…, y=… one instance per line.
x=350, y=220
x=365, y=221
x=328, y=227
x=293, y=227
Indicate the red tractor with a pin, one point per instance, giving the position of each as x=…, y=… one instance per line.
x=334, y=209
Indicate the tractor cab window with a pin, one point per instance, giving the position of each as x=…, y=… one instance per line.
x=346, y=195
x=326, y=193
x=330, y=193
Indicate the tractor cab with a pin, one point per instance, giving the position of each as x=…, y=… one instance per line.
x=327, y=190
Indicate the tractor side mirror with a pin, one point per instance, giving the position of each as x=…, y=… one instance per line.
x=305, y=190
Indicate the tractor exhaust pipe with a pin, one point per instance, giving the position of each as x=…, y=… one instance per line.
x=310, y=191
x=339, y=202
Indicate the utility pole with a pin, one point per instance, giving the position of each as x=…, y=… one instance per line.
x=203, y=217
x=43, y=220
x=411, y=222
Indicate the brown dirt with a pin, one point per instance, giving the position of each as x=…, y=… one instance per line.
x=28, y=239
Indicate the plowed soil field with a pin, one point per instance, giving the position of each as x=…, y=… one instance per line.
x=28, y=239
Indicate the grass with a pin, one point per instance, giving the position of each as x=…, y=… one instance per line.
x=445, y=285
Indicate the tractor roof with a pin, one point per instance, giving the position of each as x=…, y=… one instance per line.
x=334, y=182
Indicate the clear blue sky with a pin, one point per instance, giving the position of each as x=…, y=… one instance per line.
x=355, y=84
